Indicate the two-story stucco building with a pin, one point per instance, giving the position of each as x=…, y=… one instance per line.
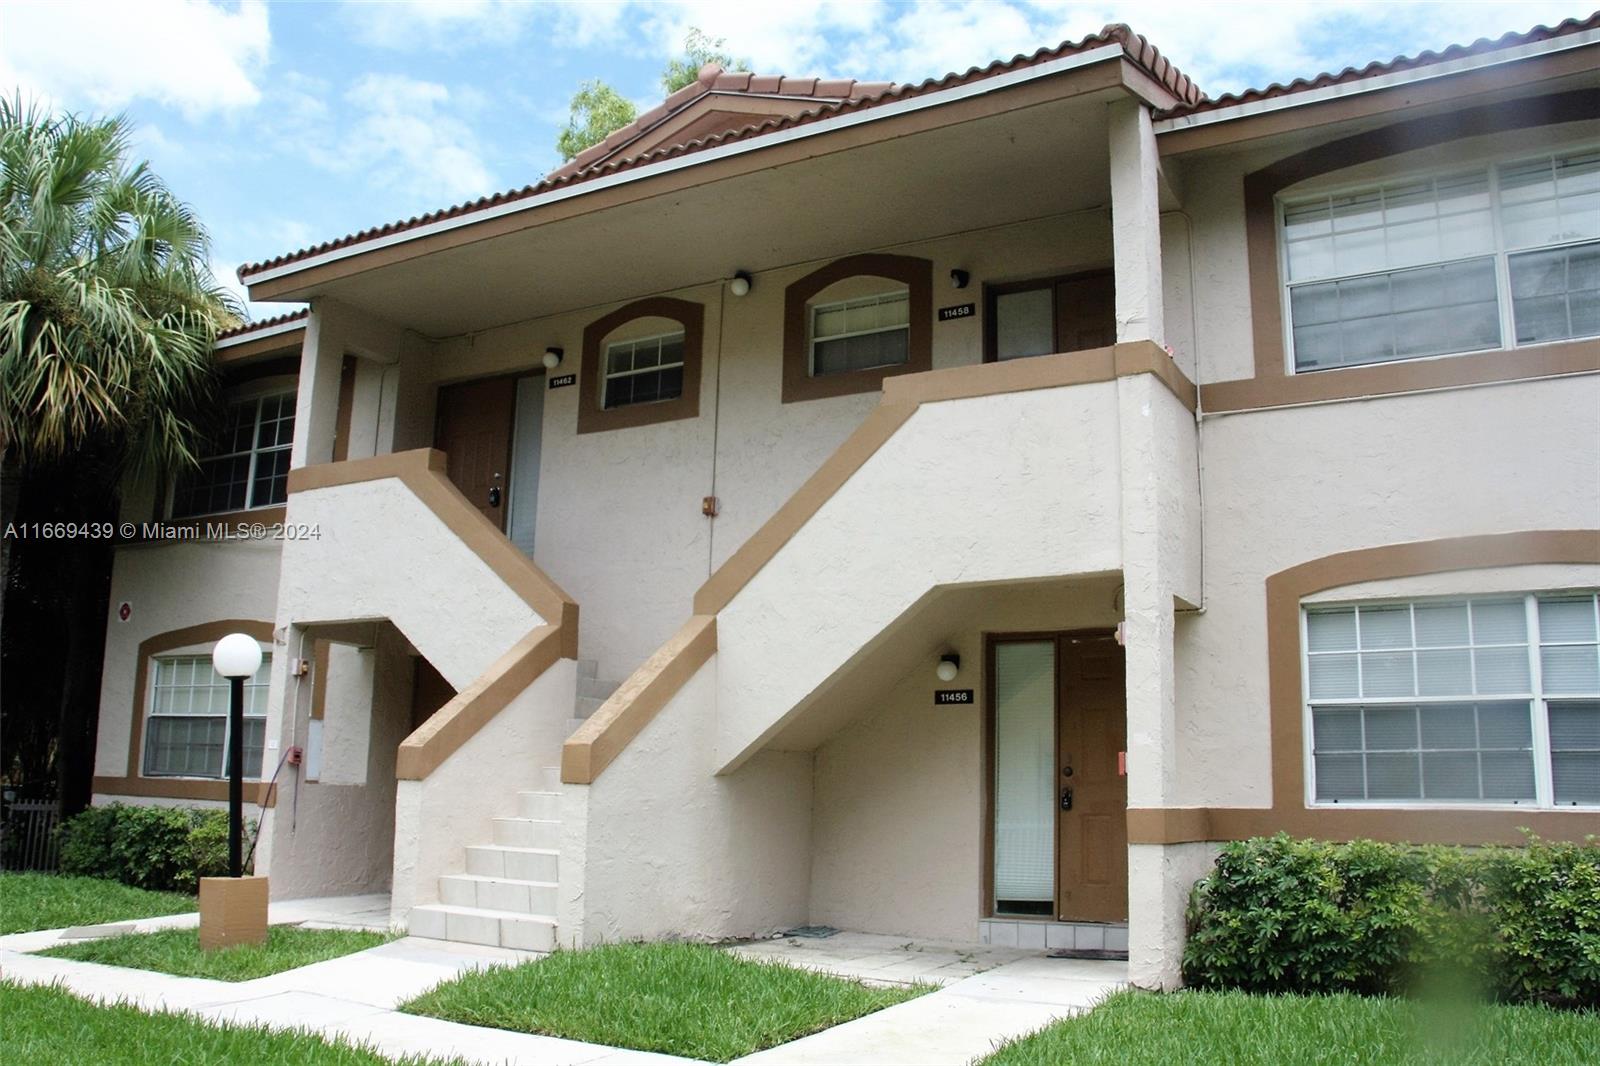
x=989, y=494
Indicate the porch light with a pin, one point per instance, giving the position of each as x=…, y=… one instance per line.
x=740, y=285
x=949, y=666
x=552, y=358
x=959, y=279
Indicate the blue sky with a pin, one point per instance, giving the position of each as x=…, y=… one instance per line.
x=290, y=123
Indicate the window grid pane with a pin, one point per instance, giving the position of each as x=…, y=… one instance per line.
x=188, y=723
x=1434, y=702
x=1412, y=269
x=643, y=371
x=256, y=435
x=862, y=333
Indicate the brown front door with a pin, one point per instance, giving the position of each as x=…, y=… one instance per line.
x=1046, y=315
x=1086, y=313
x=474, y=429
x=1091, y=829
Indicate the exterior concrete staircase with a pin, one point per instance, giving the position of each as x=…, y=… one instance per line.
x=507, y=896
x=592, y=692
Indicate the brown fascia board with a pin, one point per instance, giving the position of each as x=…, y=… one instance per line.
x=879, y=124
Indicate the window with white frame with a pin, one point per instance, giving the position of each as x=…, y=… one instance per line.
x=643, y=370
x=1491, y=700
x=859, y=334
x=186, y=733
x=249, y=466
x=1489, y=257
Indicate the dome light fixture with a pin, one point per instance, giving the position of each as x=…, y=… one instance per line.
x=740, y=285
x=552, y=358
x=949, y=666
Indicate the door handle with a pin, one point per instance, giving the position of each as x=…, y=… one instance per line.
x=494, y=496
x=1066, y=799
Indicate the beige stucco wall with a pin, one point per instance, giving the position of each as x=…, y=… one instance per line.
x=989, y=488
x=661, y=846
x=172, y=586
x=1287, y=486
x=619, y=522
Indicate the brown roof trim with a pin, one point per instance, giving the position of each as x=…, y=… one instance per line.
x=1378, y=68
x=1135, y=48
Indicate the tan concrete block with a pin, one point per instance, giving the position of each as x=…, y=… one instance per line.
x=233, y=911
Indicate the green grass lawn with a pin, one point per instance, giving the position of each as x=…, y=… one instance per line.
x=1195, y=1028
x=49, y=1027
x=177, y=951
x=680, y=999
x=45, y=901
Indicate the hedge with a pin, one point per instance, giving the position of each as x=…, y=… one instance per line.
x=1285, y=915
x=163, y=848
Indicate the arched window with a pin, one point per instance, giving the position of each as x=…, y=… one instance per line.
x=852, y=323
x=641, y=364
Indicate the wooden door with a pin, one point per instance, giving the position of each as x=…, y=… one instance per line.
x=1086, y=312
x=1091, y=732
x=473, y=429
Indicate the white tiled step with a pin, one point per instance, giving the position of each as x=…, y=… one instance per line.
x=515, y=864
x=546, y=805
x=587, y=705
x=498, y=894
x=588, y=668
x=549, y=779
x=526, y=833
x=574, y=724
x=479, y=925
x=594, y=688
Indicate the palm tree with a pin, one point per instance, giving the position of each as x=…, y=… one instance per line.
x=108, y=313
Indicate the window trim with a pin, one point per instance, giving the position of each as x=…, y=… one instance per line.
x=593, y=416
x=1500, y=254
x=1538, y=702
x=256, y=392
x=916, y=274
x=151, y=715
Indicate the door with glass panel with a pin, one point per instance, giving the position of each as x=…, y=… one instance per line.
x=1059, y=799
x=1047, y=315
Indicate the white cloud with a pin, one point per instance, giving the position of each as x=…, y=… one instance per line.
x=198, y=58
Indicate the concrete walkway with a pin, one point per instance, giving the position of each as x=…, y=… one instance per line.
x=989, y=994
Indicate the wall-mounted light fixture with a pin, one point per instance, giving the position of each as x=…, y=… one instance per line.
x=949, y=666
x=552, y=358
x=959, y=279
x=740, y=285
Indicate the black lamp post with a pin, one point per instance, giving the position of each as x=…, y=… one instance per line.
x=236, y=657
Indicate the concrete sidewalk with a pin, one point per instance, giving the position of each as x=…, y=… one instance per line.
x=988, y=996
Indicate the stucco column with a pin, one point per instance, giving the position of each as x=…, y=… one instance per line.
x=1160, y=537
x=1136, y=222
x=317, y=403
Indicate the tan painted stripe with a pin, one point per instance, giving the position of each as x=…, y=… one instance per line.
x=1387, y=379
x=422, y=470
x=475, y=706
x=622, y=717
x=259, y=793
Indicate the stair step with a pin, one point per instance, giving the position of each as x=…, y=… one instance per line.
x=498, y=893
x=594, y=688
x=516, y=864
x=588, y=668
x=539, y=805
x=526, y=833
x=481, y=925
x=549, y=779
x=575, y=724
x=584, y=706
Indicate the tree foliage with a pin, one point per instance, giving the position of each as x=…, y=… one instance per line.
x=698, y=50
x=598, y=109
x=108, y=310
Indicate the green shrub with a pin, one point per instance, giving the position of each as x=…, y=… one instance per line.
x=1285, y=915
x=162, y=848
